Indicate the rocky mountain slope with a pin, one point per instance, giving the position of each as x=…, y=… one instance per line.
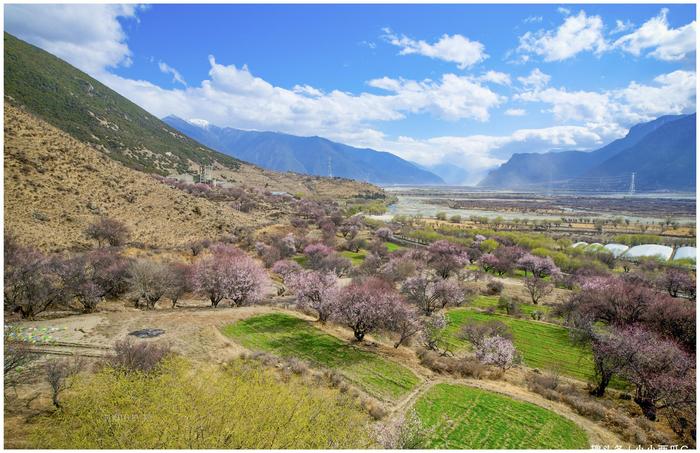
x=307, y=155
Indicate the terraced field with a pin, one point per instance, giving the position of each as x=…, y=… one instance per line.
x=470, y=418
x=288, y=336
x=542, y=345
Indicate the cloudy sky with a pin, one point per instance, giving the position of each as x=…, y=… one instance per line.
x=462, y=84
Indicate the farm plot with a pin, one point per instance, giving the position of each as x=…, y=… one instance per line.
x=541, y=345
x=492, y=301
x=469, y=418
x=289, y=336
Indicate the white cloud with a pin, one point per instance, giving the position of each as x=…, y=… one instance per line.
x=167, y=69
x=671, y=93
x=455, y=48
x=564, y=11
x=577, y=34
x=89, y=36
x=499, y=78
x=535, y=80
x=621, y=27
x=452, y=98
x=532, y=19
x=669, y=44
x=570, y=105
x=515, y=112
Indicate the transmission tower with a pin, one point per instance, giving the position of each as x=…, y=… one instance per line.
x=632, y=188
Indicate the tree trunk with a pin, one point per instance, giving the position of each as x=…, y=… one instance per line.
x=648, y=407
x=599, y=390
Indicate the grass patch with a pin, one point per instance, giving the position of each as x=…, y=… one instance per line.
x=289, y=336
x=492, y=301
x=391, y=247
x=302, y=260
x=542, y=345
x=356, y=258
x=470, y=418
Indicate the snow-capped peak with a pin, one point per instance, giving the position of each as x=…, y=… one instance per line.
x=199, y=123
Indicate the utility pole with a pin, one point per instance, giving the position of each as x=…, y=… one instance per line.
x=632, y=188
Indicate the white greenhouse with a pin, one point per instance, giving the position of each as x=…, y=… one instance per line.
x=685, y=253
x=647, y=250
x=617, y=249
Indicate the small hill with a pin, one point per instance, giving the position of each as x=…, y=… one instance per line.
x=307, y=155
x=55, y=186
x=532, y=169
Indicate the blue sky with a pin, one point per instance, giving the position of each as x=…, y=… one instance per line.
x=463, y=84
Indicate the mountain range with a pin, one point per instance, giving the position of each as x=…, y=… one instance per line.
x=308, y=155
x=660, y=153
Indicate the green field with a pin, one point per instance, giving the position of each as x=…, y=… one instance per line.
x=492, y=301
x=289, y=336
x=355, y=257
x=392, y=247
x=470, y=418
x=542, y=345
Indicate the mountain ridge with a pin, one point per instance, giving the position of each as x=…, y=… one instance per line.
x=312, y=155
x=532, y=169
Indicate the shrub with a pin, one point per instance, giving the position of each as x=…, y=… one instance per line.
x=509, y=305
x=475, y=332
x=132, y=355
x=497, y=351
x=406, y=431
x=150, y=280
x=494, y=287
x=107, y=231
x=32, y=282
x=58, y=375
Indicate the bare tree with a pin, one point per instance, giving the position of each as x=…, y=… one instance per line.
x=108, y=231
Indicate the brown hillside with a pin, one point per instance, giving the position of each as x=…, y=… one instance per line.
x=55, y=186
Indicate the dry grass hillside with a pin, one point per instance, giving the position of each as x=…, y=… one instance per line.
x=55, y=186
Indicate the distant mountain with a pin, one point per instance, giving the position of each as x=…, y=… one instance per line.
x=536, y=170
x=663, y=160
x=452, y=174
x=308, y=155
x=73, y=101
x=51, y=90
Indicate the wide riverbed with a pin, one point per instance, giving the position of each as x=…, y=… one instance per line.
x=463, y=201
